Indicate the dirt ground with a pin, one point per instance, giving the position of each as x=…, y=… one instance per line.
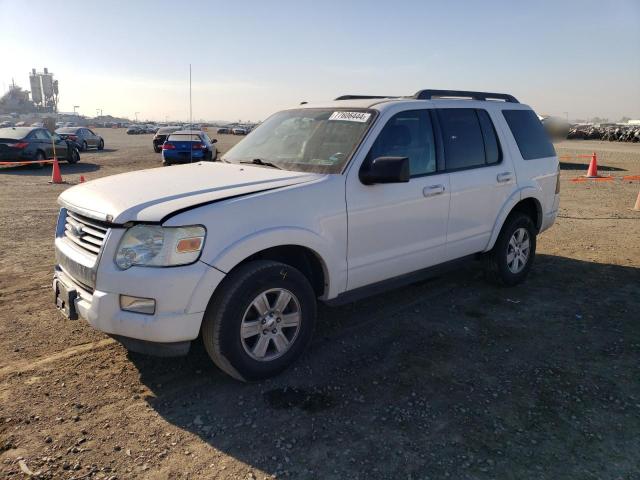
x=449, y=378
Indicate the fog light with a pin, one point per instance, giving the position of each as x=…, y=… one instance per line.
x=138, y=304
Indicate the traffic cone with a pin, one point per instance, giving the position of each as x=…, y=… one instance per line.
x=593, y=166
x=56, y=176
x=81, y=178
x=637, y=207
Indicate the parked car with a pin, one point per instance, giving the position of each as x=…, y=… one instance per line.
x=37, y=124
x=84, y=137
x=161, y=135
x=150, y=128
x=6, y=124
x=134, y=130
x=26, y=144
x=70, y=124
x=188, y=146
x=331, y=203
x=239, y=130
x=225, y=130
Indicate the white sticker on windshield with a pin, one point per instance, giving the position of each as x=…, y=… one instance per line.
x=350, y=116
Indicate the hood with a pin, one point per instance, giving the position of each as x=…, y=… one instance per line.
x=151, y=195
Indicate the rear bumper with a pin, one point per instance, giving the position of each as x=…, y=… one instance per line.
x=179, y=157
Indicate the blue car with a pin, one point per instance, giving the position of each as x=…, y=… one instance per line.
x=186, y=146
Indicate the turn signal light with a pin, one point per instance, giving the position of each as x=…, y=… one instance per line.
x=193, y=244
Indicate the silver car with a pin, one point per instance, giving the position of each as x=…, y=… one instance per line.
x=84, y=137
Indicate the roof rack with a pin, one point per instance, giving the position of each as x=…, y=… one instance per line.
x=362, y=97
x=430, y=94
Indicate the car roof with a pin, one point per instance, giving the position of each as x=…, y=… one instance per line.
x=385, y=103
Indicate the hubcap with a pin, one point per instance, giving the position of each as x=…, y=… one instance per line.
x=518, y=250
x=270, y=324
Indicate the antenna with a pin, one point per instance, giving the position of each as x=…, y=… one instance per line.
x=190, y=117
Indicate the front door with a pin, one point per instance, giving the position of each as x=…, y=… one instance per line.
x=398, y=228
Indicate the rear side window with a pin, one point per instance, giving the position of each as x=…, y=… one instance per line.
x=531, y=137
x=492, y=151
x=408, y=134
x=462, y=138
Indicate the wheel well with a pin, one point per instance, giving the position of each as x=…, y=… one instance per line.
x=530, y=207
x=302, y=258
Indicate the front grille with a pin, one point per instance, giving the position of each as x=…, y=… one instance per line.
x=86, y=233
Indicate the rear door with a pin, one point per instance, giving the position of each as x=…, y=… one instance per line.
x=482, y=178
x=92, y=138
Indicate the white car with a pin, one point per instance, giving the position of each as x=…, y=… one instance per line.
x=330, y=202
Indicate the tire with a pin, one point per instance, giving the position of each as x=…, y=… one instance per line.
x=40, y=157
x=156, y=149
x=233, y=304
x=499, y=269
x=101, y=145
x=73, y=156
x=84, y=146
x=166, y=164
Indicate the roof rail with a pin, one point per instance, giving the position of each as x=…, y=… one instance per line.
x=430, y=94
x=362, y=97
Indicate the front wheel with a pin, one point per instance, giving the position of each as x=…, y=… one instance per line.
x=101, y=145
x=84, y=146
x=511, y=258
x=259, y=320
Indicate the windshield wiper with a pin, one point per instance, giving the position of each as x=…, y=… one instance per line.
x=258, y=161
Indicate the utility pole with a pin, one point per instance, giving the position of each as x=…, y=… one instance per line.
x=74, y=108
x=566, y=114
x=136, y=114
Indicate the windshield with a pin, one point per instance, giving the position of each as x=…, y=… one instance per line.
x=184, y=137
x=312, y=140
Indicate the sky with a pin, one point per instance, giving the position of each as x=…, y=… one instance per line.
x=251, y=58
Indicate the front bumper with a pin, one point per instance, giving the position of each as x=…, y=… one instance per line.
x=181, y=294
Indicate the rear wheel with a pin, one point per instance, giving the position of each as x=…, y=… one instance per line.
x=157, y=149
x=73, y=156
x=511, y=258
x=39, y=161
x=259, y=320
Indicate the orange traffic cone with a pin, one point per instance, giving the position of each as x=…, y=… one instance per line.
x=637, y=207
x=593, y=166
x=56, y=176
x=81, y=178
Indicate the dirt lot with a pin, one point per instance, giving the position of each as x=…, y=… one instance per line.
x=450, y=378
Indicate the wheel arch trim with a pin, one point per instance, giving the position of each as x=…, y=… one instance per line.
x=515, y=198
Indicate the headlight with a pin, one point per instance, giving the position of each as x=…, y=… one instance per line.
x=156, y=246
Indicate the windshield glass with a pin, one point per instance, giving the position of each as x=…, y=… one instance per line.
x=184, y=137
x=313, y=140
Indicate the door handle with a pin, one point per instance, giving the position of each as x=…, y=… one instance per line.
x=504, y=177
x=432, y=190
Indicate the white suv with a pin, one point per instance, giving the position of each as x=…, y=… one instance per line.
x=329, y=202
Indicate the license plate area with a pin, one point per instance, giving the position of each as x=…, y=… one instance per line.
x=65, y=299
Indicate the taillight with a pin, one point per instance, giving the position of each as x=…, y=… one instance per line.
x=198, y=146
x=72, y=137
x=21, y=145
x=558, y=181
x=168, y=146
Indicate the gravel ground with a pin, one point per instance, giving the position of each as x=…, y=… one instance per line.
x=448, y=378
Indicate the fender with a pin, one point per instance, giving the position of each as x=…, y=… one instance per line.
x=333, y=266
x=527, y=191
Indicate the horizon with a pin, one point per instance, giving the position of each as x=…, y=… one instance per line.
x=574, y=59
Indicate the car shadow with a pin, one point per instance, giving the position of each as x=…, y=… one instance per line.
x=95, y=150
x=585, y=166
x=36, y=171
x=450, y=377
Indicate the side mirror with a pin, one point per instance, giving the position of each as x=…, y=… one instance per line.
x=214, y=140
x=385, y=170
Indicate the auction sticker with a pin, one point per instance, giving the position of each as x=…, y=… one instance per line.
x=350, y=116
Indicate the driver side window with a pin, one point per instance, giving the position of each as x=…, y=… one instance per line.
x=408, y=134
